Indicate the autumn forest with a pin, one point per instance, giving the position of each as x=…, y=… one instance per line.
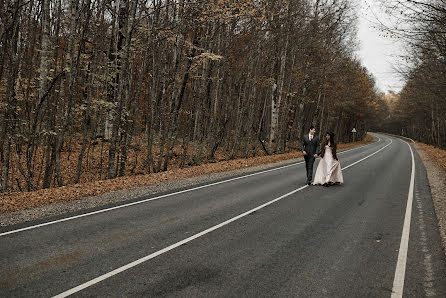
x=96, y=89
x=418, y=111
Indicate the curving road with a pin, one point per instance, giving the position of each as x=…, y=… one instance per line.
x=259, y=235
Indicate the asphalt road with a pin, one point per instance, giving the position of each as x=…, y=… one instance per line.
x=263, y=235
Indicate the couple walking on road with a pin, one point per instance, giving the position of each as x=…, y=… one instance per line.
x=328, y=171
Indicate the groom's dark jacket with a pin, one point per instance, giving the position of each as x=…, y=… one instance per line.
x=311, y=147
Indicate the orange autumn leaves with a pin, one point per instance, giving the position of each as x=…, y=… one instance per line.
x=17, y=201
x=436, y=154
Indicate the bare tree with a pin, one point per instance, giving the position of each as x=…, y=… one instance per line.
x=185, y=82
x=418, y=109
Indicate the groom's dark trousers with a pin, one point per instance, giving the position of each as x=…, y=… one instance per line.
x=309, y=162
x=311, y=148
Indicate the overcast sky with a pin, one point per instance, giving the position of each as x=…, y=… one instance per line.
x=378, y=53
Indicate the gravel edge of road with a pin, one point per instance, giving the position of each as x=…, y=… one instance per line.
x=437, y=182
x=115, y=197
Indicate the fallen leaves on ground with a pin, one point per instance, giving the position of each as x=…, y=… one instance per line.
x=436, y=154
x=23, y=200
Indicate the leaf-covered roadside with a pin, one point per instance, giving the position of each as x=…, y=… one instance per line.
x=18, y=201
x=434, y=160
x=436, y=154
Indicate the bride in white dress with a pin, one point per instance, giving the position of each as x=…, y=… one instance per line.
x=329, y=169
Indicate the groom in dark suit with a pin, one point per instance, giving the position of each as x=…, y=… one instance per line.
x=310, y=148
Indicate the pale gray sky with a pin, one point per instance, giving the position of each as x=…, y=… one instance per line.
x=379, y=54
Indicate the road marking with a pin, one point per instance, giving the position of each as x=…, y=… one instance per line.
x=184, y=241
x=175, y=245
x=157, y=198
x=398, y=136
x=400, y=271
x=367, y=156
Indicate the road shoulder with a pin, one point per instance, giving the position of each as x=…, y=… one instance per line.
x=126, y=195
x=437, y=182
x=167, y=183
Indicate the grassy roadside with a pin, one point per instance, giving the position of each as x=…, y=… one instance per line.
x=24, y=200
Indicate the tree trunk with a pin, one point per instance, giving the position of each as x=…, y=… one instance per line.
x=11, y=115
x=122, y=15
x=125, y=86
x=72, y=66
x=87, y=117
x=6, y=166
x=43, y=82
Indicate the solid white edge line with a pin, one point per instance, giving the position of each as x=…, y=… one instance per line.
x=175, y=245
x=400, y=271
x=156, y=198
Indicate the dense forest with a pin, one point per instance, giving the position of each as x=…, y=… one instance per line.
x=95, y=89
x=419, y=110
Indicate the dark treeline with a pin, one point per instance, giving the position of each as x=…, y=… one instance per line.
x=419, y=110
x=239, y=77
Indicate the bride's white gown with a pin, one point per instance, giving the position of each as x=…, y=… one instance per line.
x=328, y=170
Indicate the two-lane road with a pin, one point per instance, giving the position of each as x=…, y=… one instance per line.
x=264, y=234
